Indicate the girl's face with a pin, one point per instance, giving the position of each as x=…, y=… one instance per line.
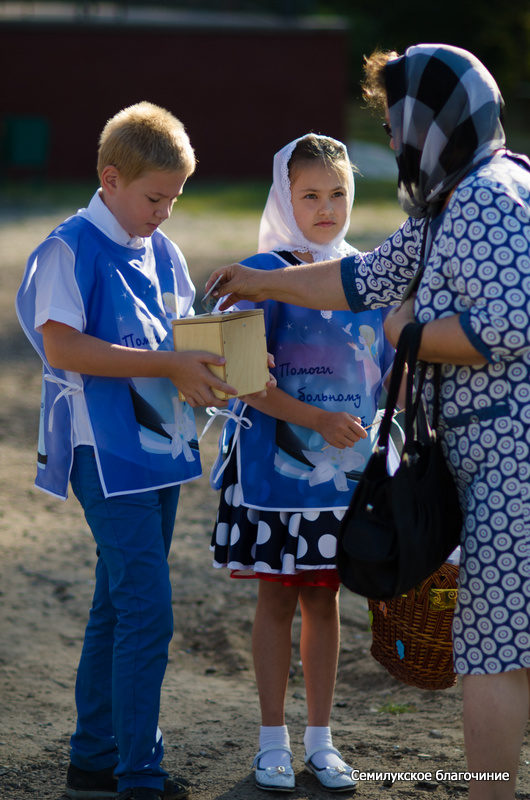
x=320, y=200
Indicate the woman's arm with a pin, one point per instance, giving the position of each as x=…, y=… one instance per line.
x=338, y=428
x=443, y=341
x=311, y=285
x=357, y=282
x=69, y=349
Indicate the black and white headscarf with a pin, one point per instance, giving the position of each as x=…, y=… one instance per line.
x=445, y=114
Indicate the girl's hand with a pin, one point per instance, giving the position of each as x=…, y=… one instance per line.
x=340, y=429
x=237, y=283
x=195, y=381
x=271, y=383
x=397, y=318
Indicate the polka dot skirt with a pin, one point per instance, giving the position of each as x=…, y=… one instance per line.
x=281, y=543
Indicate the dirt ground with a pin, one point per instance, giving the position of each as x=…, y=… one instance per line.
x=209, y=706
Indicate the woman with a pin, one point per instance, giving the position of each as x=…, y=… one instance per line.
x=469, y=204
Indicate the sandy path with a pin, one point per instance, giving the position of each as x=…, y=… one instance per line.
x=209, y=706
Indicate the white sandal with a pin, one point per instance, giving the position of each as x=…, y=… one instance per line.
x=274, y=779
x=334, y=779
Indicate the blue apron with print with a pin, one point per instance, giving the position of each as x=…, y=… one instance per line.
x=145, y=438
x=331, y=359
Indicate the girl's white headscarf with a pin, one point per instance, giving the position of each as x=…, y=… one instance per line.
x=278, y=229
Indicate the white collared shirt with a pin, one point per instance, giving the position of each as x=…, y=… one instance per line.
x=103, y=218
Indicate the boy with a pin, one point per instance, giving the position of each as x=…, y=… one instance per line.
x=97, y=301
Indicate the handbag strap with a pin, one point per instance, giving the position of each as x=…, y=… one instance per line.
x=406, y=340
x=407, y=355
x=414, y=340
x=398, y=370
x=415, y=379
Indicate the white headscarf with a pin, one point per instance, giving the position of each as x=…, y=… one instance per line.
x=278, y=229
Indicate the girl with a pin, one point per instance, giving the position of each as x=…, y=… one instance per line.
x=295, y=457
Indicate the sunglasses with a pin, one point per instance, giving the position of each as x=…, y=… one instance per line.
x=387, y=129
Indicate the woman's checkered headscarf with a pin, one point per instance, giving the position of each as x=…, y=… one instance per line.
x=445, y=114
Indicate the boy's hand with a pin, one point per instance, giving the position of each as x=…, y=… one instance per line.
x=69, y=349
x=237, y=283
x=195, y=381
x=340, y=429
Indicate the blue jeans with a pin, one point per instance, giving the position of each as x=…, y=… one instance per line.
x=125, y=650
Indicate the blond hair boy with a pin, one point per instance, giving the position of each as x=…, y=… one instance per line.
x=97, y=301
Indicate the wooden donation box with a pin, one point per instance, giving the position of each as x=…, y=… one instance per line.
x=239, y=336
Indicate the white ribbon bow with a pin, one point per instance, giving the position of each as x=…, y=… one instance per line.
x=241, y=422
x=69, y=389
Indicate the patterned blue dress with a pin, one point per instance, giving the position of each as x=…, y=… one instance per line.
x=479, y=267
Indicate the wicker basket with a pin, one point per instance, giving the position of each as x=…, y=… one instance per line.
x=411, y=634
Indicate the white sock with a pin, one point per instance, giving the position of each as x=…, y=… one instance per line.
x=274, y=736
x=317, y=738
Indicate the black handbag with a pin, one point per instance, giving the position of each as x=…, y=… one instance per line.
x=400, y=528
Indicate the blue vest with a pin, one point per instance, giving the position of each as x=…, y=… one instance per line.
x=331, y=359
x=145, y=438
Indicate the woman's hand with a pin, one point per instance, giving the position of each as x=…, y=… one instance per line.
x=237, y=283
x=309, y=285
x=397, y=318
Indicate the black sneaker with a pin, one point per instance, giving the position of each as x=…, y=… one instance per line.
x=84, y=785
x=102, y=785
x=176, y=789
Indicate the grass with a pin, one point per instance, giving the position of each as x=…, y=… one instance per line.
x=239, y=197
x=199, y=197
x=397, y=708
x=242, y=197
x=368, y=191
x=365, y=125
x=38, y=195
x=232, y=197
